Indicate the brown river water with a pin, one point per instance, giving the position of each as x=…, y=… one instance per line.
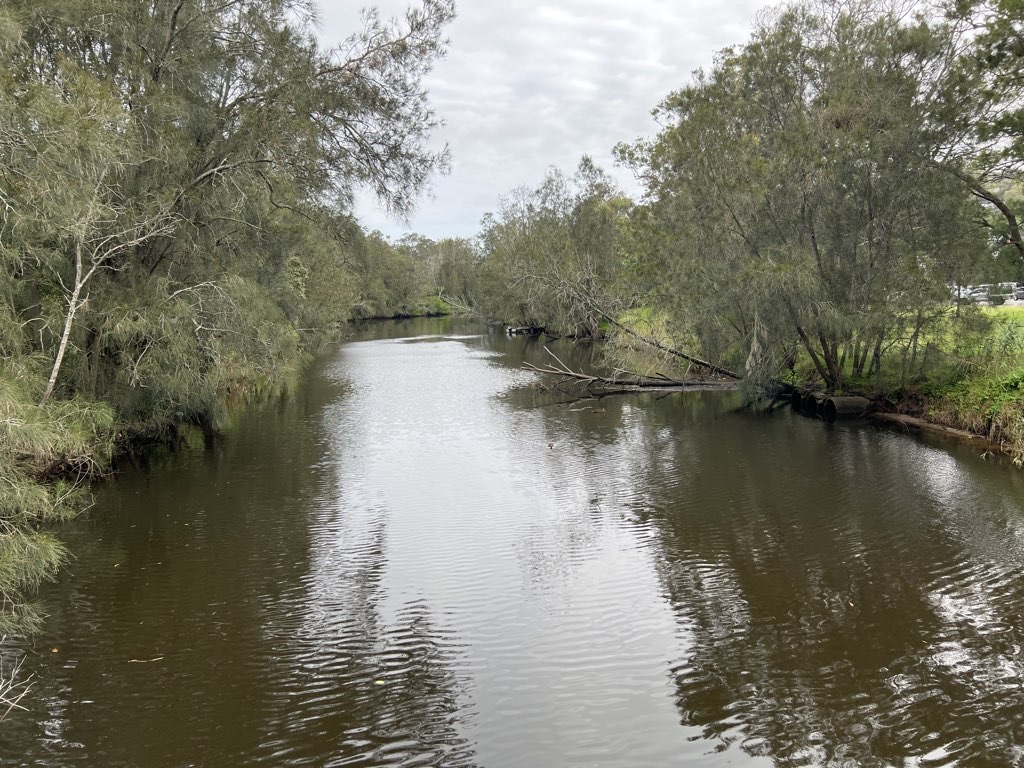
x=419, y=560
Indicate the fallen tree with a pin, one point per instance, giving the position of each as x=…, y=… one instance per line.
x=715, y=369
x=913, y=422
x=627, y=382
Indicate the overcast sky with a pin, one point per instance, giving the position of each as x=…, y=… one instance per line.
x=527, y=85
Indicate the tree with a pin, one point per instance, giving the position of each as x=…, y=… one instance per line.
x=175, y=233
x=797, y=185
x=975, y=94
x=551, y=256
x=456, y=271
x=201, y=134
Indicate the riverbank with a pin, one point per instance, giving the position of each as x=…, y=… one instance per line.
x=990, y=408
x=976, y=383
x=963, y=374
x=50, y=452
x=47, y=453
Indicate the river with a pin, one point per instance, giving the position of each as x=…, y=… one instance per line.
x=419, y=559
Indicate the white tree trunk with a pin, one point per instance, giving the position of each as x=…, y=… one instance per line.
x=74, y=303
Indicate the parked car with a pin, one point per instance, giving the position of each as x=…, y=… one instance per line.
x=979, y=295
x=1003, y=289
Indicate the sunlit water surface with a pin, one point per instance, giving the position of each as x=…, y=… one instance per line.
x=420, y=559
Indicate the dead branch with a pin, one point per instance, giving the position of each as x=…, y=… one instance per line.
x=630, y=382
x=707, y=365
x=674, y=352
x=12, y=689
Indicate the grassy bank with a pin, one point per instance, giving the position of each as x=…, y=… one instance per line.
x=965, y=370
x=988, y=398
x=989, y=406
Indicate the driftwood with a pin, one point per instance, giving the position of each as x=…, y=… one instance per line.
x=630, y=382
x=913, y=422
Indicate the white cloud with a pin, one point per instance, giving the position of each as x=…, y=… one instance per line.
x=528, y=85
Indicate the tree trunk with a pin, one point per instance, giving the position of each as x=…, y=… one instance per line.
x=805, y=340
x=860, y=357
x=830, y=354
x=74, y=304
x=689, y=358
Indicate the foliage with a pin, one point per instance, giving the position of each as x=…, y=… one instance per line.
x=980, y=94
x=175, y=185
x=551, y=256
x=72, y=439
x=796, y=182
x=809, y=201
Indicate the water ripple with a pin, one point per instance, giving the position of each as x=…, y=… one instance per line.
x=417, y=562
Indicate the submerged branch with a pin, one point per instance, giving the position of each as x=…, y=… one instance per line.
x=12, y=689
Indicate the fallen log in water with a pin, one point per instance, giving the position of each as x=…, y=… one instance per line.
x=632, y=382
x=913, y=422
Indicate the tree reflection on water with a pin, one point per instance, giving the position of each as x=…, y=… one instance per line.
x=832, y=618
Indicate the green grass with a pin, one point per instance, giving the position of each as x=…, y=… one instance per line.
x=975, y=378
x=988, y=405
x=968, y=373
x=1014, y=313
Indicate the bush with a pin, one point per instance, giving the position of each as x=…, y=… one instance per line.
x=70, y=438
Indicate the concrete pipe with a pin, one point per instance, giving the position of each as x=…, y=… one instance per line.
x=811, y=405
x=843, y=408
